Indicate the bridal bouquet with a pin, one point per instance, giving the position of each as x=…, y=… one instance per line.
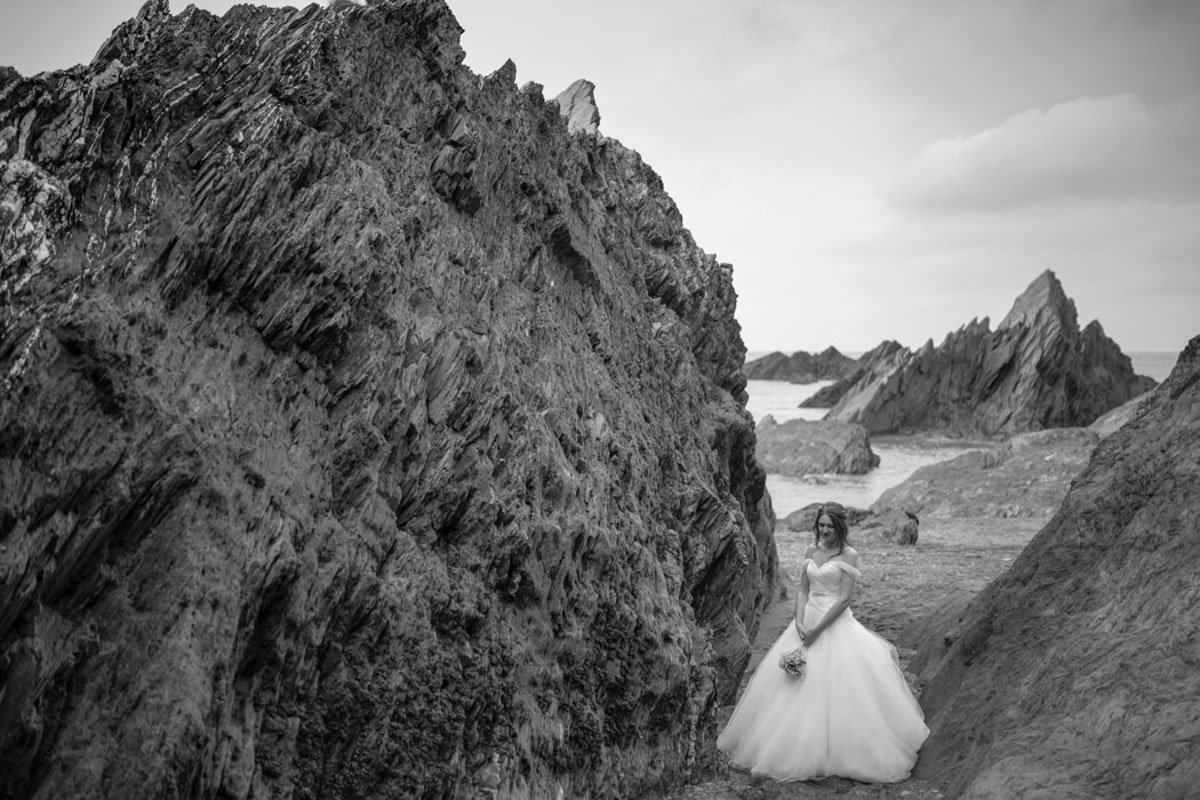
x=792, y=662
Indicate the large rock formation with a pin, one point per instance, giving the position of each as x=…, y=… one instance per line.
x=1076, y=674
x=1027, y=476
x=801, y=447
x=357, y=421
x=801, y=367
x=1037, y=370
x=829, y=396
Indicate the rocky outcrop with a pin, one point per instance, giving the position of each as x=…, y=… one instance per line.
x=358, y=421
x=1037, y=370
x=801, y=367
x=1076, y=674
x=1114, y=420
x=892, y=525
x=577, y=103
x=801, y=447
x=1027, y=476
x=829, y=396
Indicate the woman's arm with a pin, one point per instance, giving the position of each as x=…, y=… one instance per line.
x=802, y=595
x=845, y=590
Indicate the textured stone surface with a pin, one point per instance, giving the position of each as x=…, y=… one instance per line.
x=1114, y=420
x=358, y=421
x=829, y=396
x=801, y=367
x=892, y=525
x=1037, y=370
x=577, y=104
x=1027, y=476
x=801, y=447
x=1076, y=673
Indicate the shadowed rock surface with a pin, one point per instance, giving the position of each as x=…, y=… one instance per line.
x=801, y=447
x=1027, y=476
x=1076, y=673
x=801, y=367
x=1037, y=370
x=357, y=421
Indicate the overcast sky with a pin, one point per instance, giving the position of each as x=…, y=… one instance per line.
x=873, y=169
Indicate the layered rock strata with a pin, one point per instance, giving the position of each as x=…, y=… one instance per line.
x=358, y=421
x=801, y=447
x=1076, y=674
x=829, y=396
x=801, y=367
x=1037, y=370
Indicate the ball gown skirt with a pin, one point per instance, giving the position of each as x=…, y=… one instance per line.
x=850, y=714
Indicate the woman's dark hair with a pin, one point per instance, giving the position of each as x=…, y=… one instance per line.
x=837, y=515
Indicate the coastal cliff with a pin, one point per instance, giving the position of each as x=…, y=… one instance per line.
x=360, y=419
x=1076, y=673
x=1037, y=370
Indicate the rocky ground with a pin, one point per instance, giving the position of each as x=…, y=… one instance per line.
x=901, y=586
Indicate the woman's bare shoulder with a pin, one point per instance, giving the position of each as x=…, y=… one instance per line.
x=808, y=553
x=850, y=556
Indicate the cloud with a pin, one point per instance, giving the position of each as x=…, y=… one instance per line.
x=1089, y=148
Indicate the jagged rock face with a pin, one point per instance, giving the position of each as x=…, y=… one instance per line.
x=1036, y=371
x=358, y=421
x=1027, y=476
x=1076, y=674
x=829, y=396
x=801, y=447
x=801, y=367
x=577, y=103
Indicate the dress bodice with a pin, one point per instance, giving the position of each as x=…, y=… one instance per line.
x=826, y=578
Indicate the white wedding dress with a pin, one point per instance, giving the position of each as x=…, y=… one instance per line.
x=850, y=714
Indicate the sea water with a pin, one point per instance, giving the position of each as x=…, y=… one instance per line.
x=899, y=456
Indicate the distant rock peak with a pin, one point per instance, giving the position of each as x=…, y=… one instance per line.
x=1044, y=295
x=577, y=104
x=1037, y=370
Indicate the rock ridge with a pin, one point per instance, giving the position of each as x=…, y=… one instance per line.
x=359, y=421
x=1074, y=674
x=801, y=367
x=1037, y=370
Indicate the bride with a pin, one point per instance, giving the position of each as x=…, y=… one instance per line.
x=851, y=712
